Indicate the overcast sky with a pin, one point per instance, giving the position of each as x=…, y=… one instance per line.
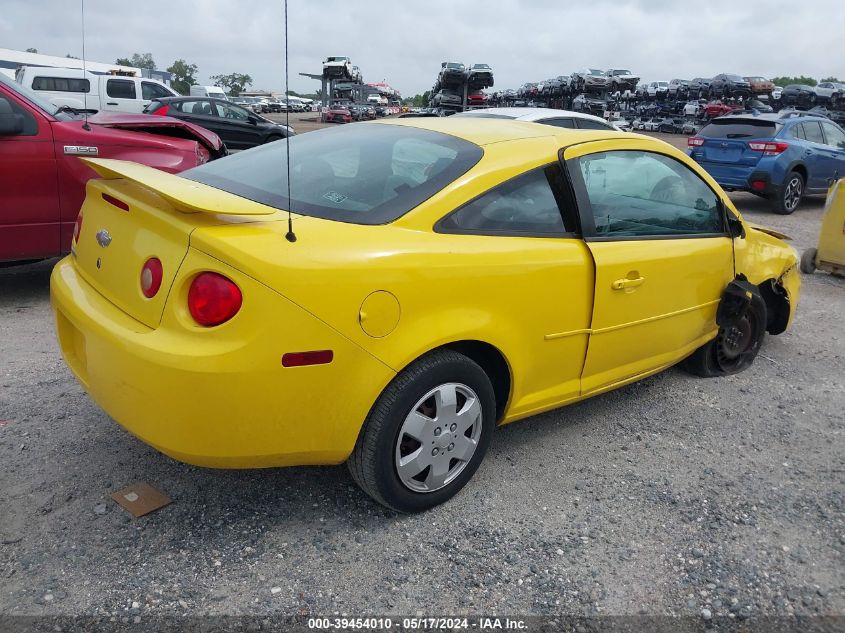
x=403, y=42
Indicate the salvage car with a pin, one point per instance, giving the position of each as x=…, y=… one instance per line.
x=447, y=98
x=729, y=86
x=588, y=79
x=451, y=73
x=592, y=105
x=825, y=90
x=479, y=76
x=338, y=114
x=798, y=95
x=235, y=125
x=718, y=108
x=620, y=80
x=337, y=67
x=760, y=85
x=781, y=157
x=649, y=261
x=658, y=89
x=42, y=180
x=678, y=88
x=699, y=87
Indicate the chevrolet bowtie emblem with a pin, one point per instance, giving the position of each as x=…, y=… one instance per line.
x=103, y=238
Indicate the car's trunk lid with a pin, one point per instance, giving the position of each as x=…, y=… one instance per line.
x=136, y=213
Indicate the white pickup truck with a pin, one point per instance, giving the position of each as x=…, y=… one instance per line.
x=86, y=90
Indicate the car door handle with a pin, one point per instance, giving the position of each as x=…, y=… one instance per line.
x=624, y=284
x=111, y=102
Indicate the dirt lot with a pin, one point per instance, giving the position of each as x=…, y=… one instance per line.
x=673, y=496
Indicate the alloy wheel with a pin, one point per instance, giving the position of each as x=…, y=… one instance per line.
x=792, y=193
x=438, y=437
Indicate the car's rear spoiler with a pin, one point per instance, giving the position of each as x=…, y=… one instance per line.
x=185, y=195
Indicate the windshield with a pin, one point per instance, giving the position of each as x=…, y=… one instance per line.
x=368, y=173
x=621, y=72
x=593, y=71
x=30, y=96
x=734, y=78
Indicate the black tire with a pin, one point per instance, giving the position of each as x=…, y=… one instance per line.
x=372, y=462
x=808, y=261
x=734, y=349
x=786, y=200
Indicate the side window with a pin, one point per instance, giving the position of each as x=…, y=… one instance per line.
x=120, y=88
x=61, y=84
x=589, y=124
x=30, y=126
x=201, y=107
x=526, y=204
x=236, y=113
x=813, y=131
x=797, y=131
x=835, y=137
x=634, y=193
x=566, y=123
x=150, y=90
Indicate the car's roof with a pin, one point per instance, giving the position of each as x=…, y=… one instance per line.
x=528, y=114
x=773, y=117
x=488, y=131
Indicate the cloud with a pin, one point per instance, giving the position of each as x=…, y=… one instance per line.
x=405, y=42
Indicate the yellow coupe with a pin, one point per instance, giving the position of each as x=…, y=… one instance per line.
x=437, y=277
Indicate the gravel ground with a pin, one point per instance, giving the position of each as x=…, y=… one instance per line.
x=672, y=496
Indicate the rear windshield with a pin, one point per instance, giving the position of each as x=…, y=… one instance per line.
x=367, y=173
x=740, y=128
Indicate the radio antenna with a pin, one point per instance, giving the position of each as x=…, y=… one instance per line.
x=290, y=236
x=85, y=125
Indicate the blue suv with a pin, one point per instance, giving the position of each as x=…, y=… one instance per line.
x=781, y=157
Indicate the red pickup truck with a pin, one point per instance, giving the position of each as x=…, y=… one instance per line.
x=42, y=180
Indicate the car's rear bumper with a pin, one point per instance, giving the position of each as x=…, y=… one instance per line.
x=741, y=177
x=218, y=397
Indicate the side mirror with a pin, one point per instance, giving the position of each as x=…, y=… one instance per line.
x=11, y=124
x=253, y=120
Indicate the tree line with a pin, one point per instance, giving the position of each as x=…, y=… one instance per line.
x=185, y=74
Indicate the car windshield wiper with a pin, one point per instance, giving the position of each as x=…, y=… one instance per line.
x=77, y=111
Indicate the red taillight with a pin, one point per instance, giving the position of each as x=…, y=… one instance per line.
x=758, y=185
x=162, y=111
x=695, y=142
x=77, y=228
x=120, y=204
x=213, y=299
x=151, y=276
x=768, y=148
x=300, y=359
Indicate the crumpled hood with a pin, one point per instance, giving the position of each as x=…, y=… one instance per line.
x=768, y=231
x=143, y=122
